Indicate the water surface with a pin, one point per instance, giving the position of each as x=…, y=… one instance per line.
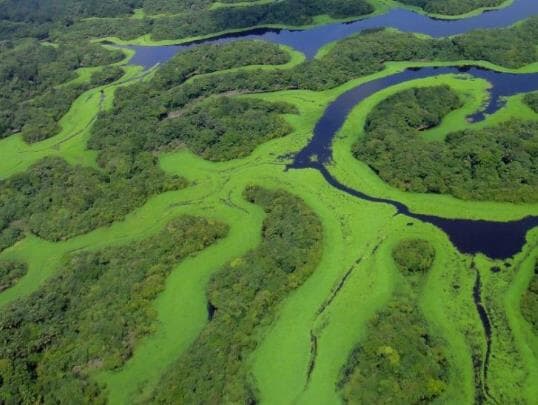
x=310, y=40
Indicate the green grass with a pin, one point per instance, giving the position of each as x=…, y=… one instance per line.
x=475, y=12
x=70, y=143
x=380, y=7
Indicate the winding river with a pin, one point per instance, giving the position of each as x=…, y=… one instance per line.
x=309, y=41
x=498, y=240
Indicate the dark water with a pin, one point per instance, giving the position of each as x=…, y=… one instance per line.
x=502, y=85
x=498, y=240
x=309, y=41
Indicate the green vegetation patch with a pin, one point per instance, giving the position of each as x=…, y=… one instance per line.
x=529, y=301
x=143, y=118
x=56, y=201
x=91, y=315
x=244, y=296
x=225, y=128
x=399, y=360
x=205, y=59
x=107, y=75
x=414, y=255
x=30, y=72
x=492, y=163
x=451, y=7
x=531, y=99
x=198, y=22
x=10, y=273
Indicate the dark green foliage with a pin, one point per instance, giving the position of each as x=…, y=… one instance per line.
x=225, y=128
x=414, y=255
x=531, y=99
x=30, y=72
x=196, y=22
x=495, y=163
x=160, y=7
x=106, y=75
x=56, y=201
x=40, y=116
x=91, y=315
x=529, y=301
x=451, y=7
x=418, y=109
x=291, y=12
x=399, y=361
x=367, y=53
x=213, y=58
x=32, y=18
x=245, y=293
x=143, y=119
x=10, y=273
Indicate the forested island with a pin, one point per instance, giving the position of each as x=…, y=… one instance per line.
x=231, y=226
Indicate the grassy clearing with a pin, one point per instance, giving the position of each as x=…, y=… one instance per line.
x=513, y=364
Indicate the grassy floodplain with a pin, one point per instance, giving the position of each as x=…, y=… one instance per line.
x=475, y=12
x=299, y=356
x=70, y=143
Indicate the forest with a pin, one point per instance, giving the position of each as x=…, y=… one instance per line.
x=244, y=295
x=399, y=357
x=32, y=99
x=494, y=163
x=157, y=245
x=56, y=201
x=91, y=315
x=10, y=273
x=451, y=7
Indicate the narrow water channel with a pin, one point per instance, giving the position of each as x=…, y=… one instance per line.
x=309, y=41
x=498, y=240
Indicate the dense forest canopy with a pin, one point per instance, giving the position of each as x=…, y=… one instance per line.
x=176, y=19
x=494, y=163
x=10, y=273
x=31, y=99
x=56, y=201
x=91, y=315
x=245, y=294
x=81, y=297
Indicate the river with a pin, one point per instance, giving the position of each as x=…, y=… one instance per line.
x=498, y=240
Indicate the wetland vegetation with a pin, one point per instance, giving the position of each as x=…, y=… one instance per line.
x=157, y=247
x=495, y=163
